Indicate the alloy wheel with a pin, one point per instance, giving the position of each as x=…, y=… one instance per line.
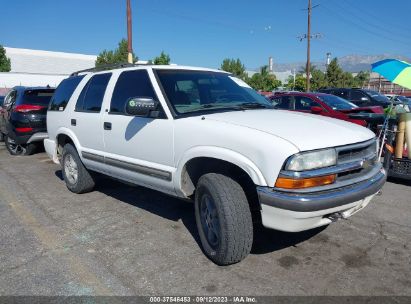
x=71, y=169
x=210, y=221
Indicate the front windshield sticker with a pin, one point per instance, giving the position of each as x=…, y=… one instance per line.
x=239, y=82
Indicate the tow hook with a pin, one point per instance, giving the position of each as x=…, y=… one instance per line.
x=335, y=216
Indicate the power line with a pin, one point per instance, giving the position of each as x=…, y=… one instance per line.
x=363, y=20
x=360, y=26
x=401, y=26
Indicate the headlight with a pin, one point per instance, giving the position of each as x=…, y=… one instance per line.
x=312, y=160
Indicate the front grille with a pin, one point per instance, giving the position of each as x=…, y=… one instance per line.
x=357, y=152
x=365, y=153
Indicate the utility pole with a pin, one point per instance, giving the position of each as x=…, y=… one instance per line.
x=308, y=36
x=308, y=47
x=129, y=33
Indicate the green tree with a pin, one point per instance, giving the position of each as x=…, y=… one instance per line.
x=235, y=67
x=263, y=81
x=5, y=64
x=299, y=82
x=347, y=80
x=318, y=80
x=334, y=74
x=303, y=70
x=119, y=55
x=163, y=59
x=361, y=79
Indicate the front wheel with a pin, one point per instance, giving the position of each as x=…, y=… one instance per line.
x=18, y=149
x=223, y=219
x=76, y=176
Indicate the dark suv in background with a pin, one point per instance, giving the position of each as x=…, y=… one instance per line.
x=360, y=97
x=23, y=118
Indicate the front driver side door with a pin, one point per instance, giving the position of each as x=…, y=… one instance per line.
x=138, y=149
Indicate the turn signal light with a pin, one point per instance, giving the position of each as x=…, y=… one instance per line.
x=291, y=183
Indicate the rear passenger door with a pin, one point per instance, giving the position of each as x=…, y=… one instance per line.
x=138, y=149
x=87, y=118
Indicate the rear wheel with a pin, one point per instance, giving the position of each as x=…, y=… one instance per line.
x=223, y=219
x=76, y=176
x=18, y=149
x=1, y=136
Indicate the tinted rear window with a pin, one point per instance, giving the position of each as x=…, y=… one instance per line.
x=63, y=93
x=37, y=97
x=92, y=95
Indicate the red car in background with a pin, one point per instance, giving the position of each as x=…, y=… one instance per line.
x=328, y=105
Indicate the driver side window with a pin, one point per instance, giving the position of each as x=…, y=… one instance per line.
x=305, y=103
x=358, y=95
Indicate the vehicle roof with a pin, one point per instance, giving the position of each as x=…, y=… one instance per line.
x=146, y=66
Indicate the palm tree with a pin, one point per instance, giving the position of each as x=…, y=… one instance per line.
x=303, y=70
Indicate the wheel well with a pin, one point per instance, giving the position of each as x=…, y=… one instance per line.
x=62, y=140
x=199, y=166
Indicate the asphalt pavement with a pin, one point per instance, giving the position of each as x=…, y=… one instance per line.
x=128, y=240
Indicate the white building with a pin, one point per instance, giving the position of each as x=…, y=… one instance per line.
x=41, y=68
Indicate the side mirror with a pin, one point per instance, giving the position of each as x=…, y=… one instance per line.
x=316, y=110
x=141, y=106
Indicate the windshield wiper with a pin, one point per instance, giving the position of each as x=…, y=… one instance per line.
x=254, y=105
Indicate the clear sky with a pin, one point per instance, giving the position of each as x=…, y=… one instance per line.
x=204, y=32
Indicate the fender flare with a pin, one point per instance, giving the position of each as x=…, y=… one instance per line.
x=69, y=133
x=223, y=154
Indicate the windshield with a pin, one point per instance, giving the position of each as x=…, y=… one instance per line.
x=377, y=96
x=337, y=103
x=196, y=91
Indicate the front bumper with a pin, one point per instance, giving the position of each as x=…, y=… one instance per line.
x=294, y=212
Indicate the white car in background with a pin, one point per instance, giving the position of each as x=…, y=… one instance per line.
x=206, y=136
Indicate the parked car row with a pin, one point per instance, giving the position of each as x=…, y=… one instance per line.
x=23, y=118
x=205, y=136
x=327, y=105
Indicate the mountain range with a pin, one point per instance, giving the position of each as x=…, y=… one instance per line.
x=349, y=63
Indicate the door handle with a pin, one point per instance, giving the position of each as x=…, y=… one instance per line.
x=73, y=122
x=107, y=125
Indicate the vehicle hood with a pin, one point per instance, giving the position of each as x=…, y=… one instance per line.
x=304, y=131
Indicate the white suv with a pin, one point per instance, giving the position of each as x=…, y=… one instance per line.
x=205, y=135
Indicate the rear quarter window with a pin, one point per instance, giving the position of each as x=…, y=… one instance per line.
x=63, y=93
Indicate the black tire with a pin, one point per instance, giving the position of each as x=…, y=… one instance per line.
x=75, y=174
x=16, y=149
x=231, y=223
x=1, y=137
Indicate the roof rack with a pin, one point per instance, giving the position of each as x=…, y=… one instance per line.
x=108, y=67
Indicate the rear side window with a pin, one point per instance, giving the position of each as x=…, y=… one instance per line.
x=131, y=84
x=63, y=93
x=283, y=103
x=341, y=93
x=91, y=97
x=304, y=103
